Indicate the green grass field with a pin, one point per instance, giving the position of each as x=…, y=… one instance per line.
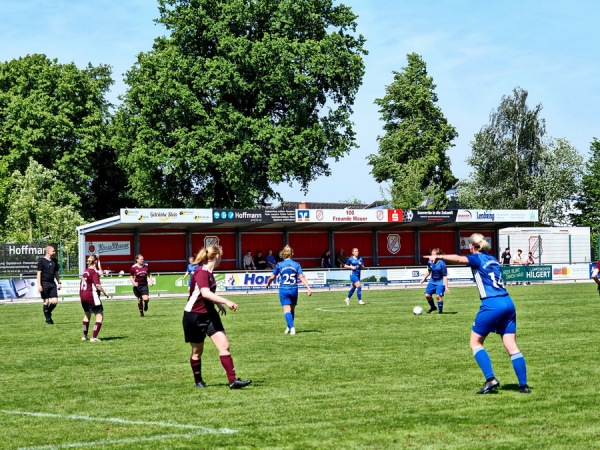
x=372, y=376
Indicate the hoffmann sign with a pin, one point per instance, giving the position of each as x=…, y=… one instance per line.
x=20, y=258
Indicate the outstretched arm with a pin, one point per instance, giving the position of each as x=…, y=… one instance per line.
x=451, y=258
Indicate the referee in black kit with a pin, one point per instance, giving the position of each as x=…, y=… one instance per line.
x=47, y=273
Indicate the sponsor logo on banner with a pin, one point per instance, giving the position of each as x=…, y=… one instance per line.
x=433, y=215
x=463, y=215
x=340, y=215
x=166, y=215
x=393, y=243
x=109, y=248
x=395, y=215
x=408, y=215
x=303, y=215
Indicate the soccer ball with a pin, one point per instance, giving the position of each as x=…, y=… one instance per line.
x=417, y=310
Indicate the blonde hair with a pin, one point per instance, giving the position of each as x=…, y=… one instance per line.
x=286, y=252
x=92, y=259
x=208, y=254
x=438, y=251
x=479, y=242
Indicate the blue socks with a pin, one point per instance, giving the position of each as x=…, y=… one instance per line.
x=351, y=291
x=518, y=362
x=440, y=307
x=484, y=362
x=289, y=319
x=359, y=293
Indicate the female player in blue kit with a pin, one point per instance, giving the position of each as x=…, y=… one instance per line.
x=496, y=315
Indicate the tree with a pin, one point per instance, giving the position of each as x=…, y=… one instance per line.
x=517, y=167
x=57, y=115
x=588, y=202
x=40, y=206
x=412, y=153
x=242, y=94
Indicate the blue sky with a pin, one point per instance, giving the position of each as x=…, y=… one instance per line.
x=476, y=51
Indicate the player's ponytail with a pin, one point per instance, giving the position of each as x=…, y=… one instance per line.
x=286, y=252
x=92, y=260
x=207, y=254
x=479, y=242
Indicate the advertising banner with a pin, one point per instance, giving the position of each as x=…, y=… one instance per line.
x=166, y=215
x=414, y=215
x=342, y=215
x=20, y=258
x=526, y=273
x=570, y=272
x=108, y=248
x=253, y=215
x=497, y=215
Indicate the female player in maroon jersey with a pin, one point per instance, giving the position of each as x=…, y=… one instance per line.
x=201, y=319
x=89, y=290
x=141, y=277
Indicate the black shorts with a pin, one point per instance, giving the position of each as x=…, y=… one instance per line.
x=140, y=290
x=49, y=290
x=197, y=326
x=99, y=309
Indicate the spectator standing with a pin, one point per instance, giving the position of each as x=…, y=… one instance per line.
x=48, y=281
x=518, y=261
x=506, y=257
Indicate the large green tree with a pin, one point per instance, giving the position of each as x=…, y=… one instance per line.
x=57, y=114
x=40, y=208
x=516, y=166
x=241, y=95
x=412, y=153
x=588, y=200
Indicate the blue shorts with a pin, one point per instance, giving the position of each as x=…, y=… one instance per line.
x=354, y=279
x=496, y=315
x=288, y=297
x=437, y=289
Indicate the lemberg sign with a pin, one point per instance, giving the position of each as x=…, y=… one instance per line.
x=20, y=258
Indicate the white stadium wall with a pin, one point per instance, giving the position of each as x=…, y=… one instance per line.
x=549, y=245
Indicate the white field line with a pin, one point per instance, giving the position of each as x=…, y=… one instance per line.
x=114, y=441
x=195, y=429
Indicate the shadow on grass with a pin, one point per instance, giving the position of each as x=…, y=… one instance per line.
x=308, y=331
x=510, y=387
x=112, y=338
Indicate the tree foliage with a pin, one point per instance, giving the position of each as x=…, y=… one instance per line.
x=242, y=94
x=40, y=208
x=517, y=167
x=588, y=202
x=57, y=115
x=412, y=153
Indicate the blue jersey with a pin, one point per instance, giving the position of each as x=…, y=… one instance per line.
x=289, y=272
x=437, y=271
x=356, y=262
x=488, y=275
